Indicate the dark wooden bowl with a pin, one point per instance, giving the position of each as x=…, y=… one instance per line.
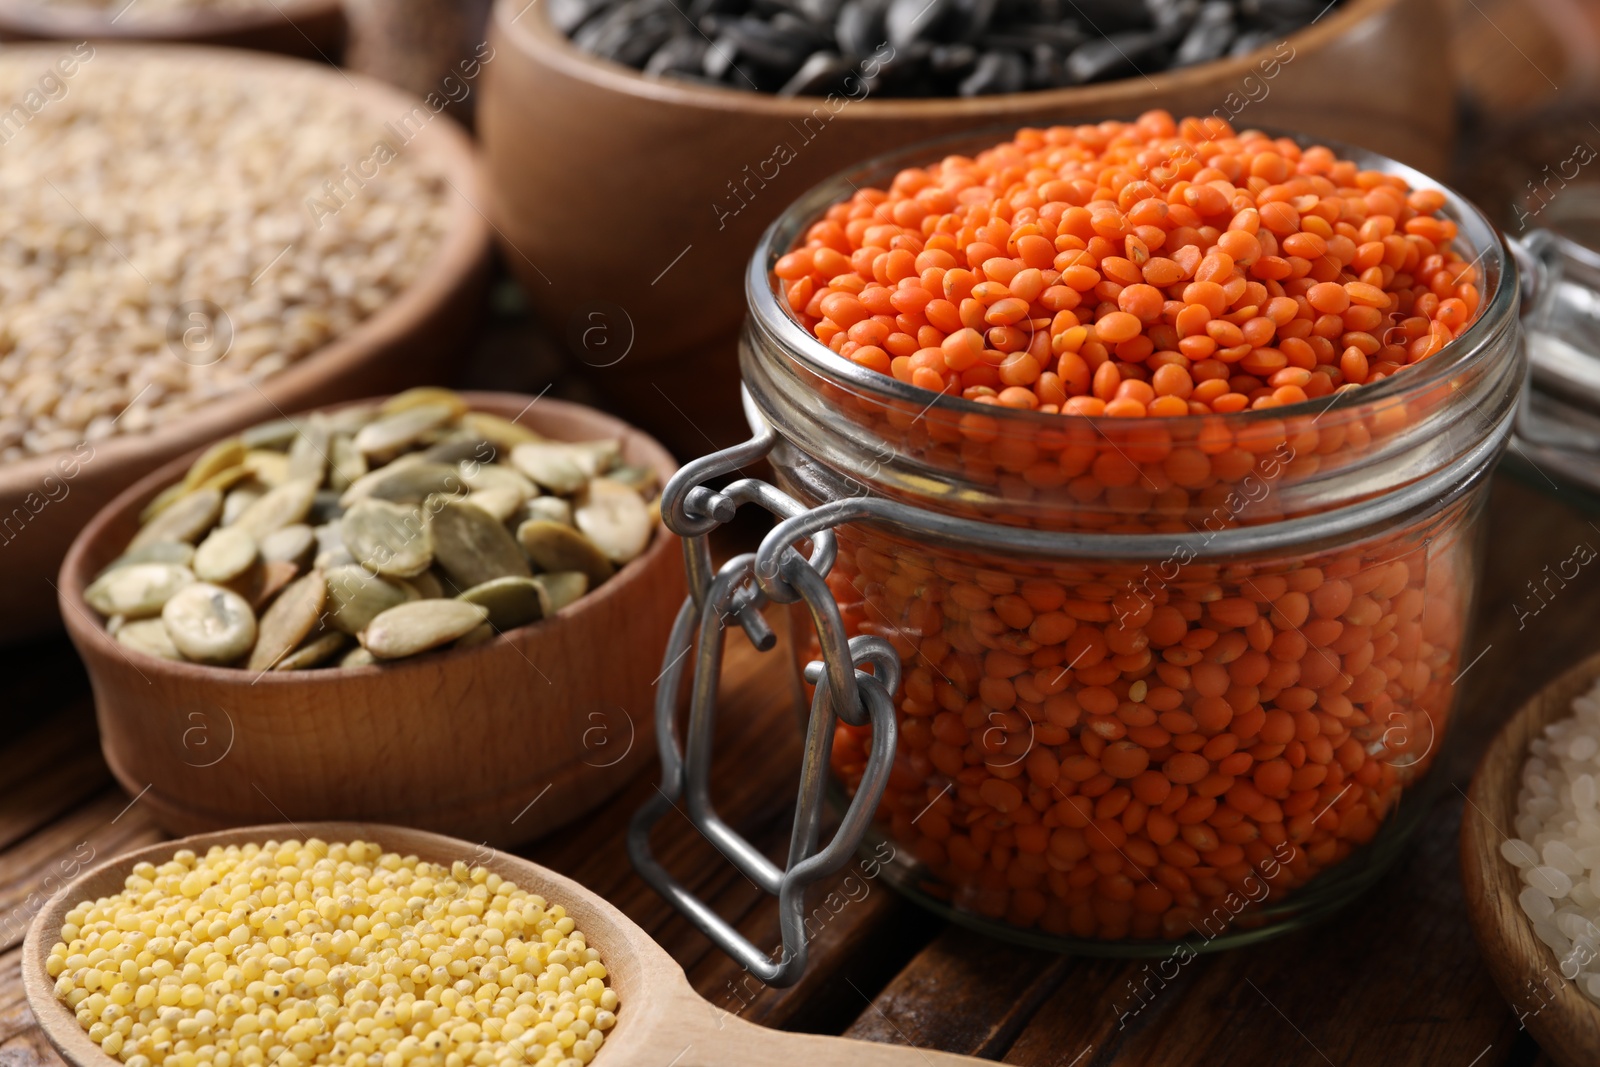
x=1564, y=1021
x=416, y=338
x=313, y=29
x=499, y=742
x=609, y=186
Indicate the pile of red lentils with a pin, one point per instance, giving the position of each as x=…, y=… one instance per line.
x=1135, y=269
x=1098, y=749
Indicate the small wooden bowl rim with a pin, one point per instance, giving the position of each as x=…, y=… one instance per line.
x=634, y=961
x=35, y=19
x=1567, y=1027
x=546, y=45
x=82, y=620
x=463, y=246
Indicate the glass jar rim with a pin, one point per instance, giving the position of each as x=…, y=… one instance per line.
x=771, y=316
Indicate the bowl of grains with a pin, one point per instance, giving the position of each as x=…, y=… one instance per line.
x=314, y=29
x=460, y=581
x=741, y=107
x=1530, y=860
x=194, y=240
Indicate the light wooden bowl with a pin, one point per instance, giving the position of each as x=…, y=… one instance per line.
x=599, y=190
x=1564, y=1021
x=313, y=29
x=500, y=742
x=660, y=1019
x=413, y=340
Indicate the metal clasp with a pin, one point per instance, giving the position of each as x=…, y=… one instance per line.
x=739, y=590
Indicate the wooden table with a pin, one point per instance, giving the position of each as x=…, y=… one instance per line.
x=1394, y=979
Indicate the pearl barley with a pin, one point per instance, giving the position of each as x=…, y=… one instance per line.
x=289, y=954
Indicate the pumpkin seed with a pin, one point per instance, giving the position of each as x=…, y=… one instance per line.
x=481, y=634
x=162, y=501
x=389, y=538
x=286, y=505
x=137, y=590
x=549, y=508
x=150, y=637
x=349, y=420
x=387, y=434
x=228, y=477
x=425, y=395
x=554, y=547
x=314, y=653
x=271, y=578
x=289, y=620
x=357, y=657
x=179, y=552
x=501, y=502
x=561, y=588
x=479, y=476
x=184, y=520
x=420, y=625
x=505, y=434
x=275, y=434
x=411, y=483
x=219, y=457
x=555, y=466
x=641, y=480
x=462, y=449
x=346, y=464
x=292, y=543
x=226, y=553
x=356, y=596
x=511, y=601
x=308, y=452
x=238, y=499
x=471, y=545
x=270, y=468
x=209, y=624
x=426, y=584
x=615, y=518
x=325, y=507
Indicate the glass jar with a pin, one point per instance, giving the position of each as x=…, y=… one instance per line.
x=1160, y=680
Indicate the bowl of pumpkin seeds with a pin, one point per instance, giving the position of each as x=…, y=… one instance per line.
x=481, y=579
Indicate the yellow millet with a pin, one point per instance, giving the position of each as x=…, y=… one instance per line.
x=289, y=954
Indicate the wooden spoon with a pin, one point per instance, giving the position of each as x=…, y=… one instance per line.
x=1564, y=1021
x=661, y=1020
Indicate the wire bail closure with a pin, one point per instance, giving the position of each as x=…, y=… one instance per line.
x=778, y=573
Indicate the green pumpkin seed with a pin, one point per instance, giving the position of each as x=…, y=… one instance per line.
x=289, y=620
x=561, y=588
x=554, y=547
x=505, y=434
x=226, y=553
x=314, y=653
x=179, y=552
x=219, y=457
x=420, y=625
x=479, y=476
x=357, y=657
x=555, y=465
x=186, y=519
x=209, y=624
x=387, y=434
x=346, y=464
x=272, y=435
x=356, y=596
x=460, y=448
x=615, y=518
x=349, y=420
x=234, y=504
x=271, y=578
x=548, y=508
x=501, y=503
x=410, y=483
x=270, y=468
x=389, y=538
x=292, y=544
x=471, y=545
x=511, y=601
x=137, y=590
x=426, y=396
x=150, y=637
x=286, y=505
x=482, y=634
x=162, y=501
x=426, y=585
x=308, y=452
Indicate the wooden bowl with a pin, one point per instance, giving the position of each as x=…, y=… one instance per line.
x=499, y=742
x=416, y=338
x=660, y=1018
x=617, y=194
x=1564, y=1021
x=313, y=29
